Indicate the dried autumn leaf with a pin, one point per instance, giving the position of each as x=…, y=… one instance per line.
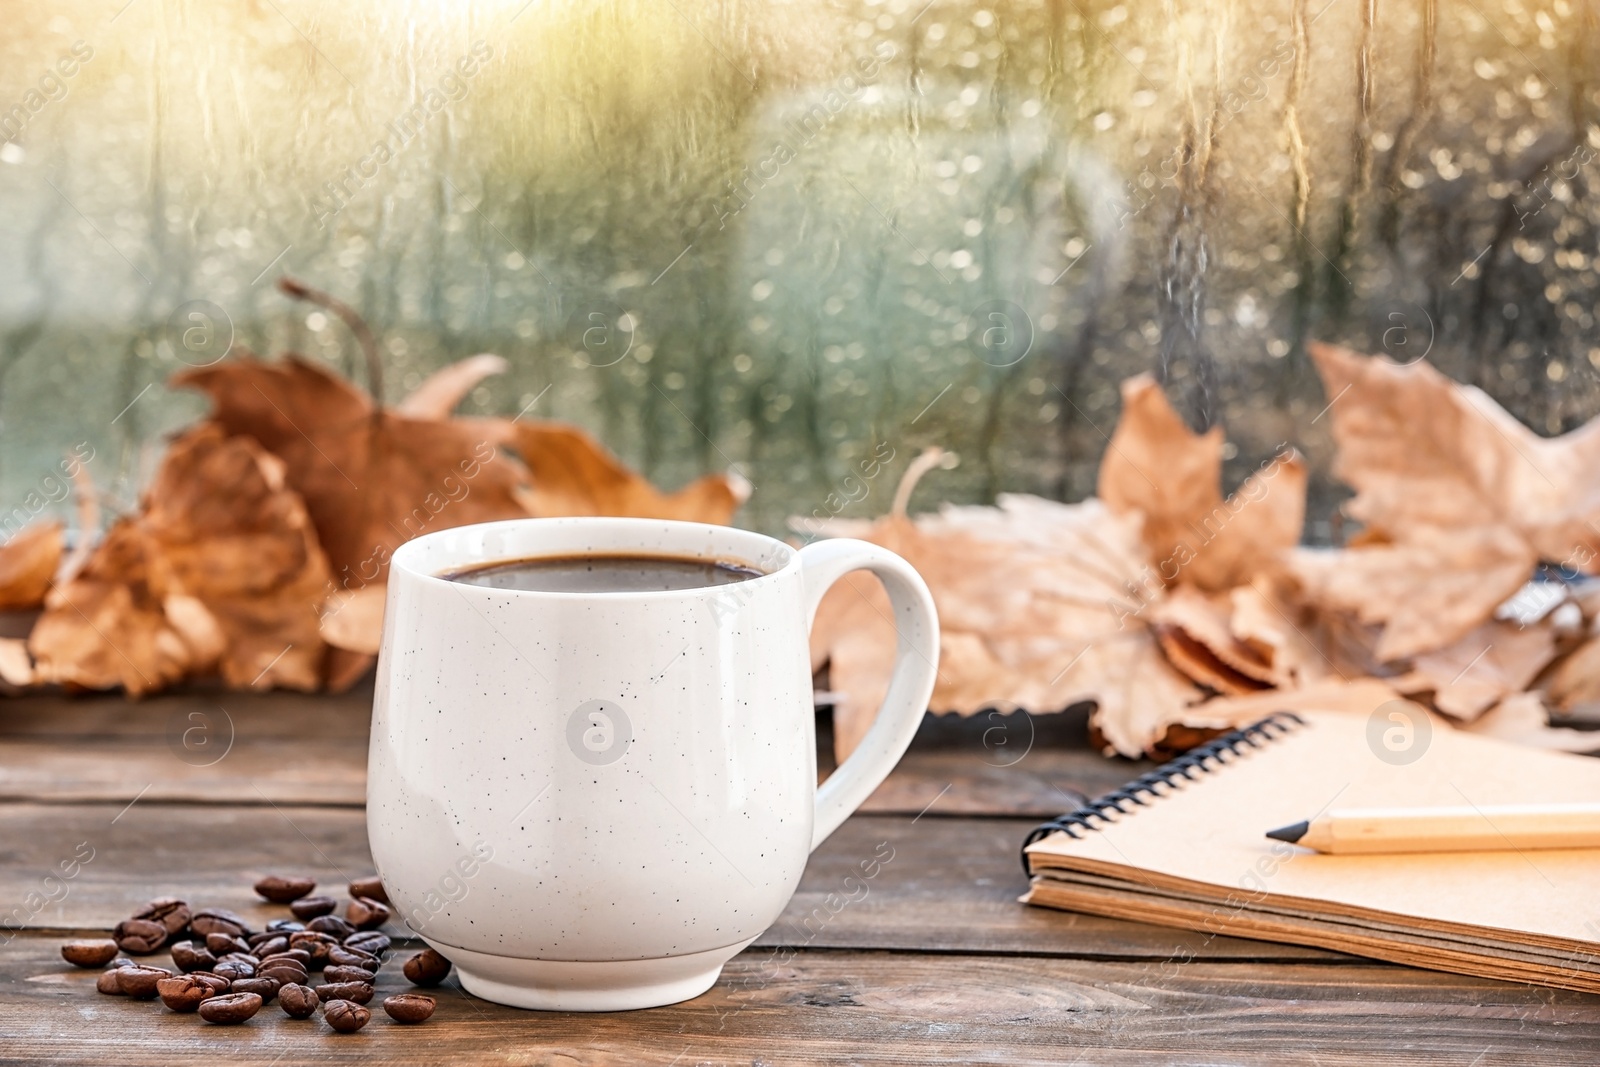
x=1280, y=632
x=1194, y=632
x=220, y=568
x=28, y=565
x=1425, y=592
x=442, y=390
x=1157, y=466
x=573, y=474
x=353, y=620
x=1462, y=498
x=1354, y=696
x=16, y=666
x=106, y=627
x=371, y=479
x=1493, y=661
x=1523, y=719
x=1039, y=606
x=1573, y=687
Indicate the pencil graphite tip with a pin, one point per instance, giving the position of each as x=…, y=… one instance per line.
x=1291, y=833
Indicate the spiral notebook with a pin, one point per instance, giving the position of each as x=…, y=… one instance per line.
x=1185, y=846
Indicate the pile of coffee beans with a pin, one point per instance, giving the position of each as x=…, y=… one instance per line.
x=225, y=971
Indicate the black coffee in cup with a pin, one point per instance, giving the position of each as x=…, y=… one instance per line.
x=604, y=574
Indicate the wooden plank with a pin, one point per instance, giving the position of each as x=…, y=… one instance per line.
x=949, y=884
x=212, y=745
x=865, y=1008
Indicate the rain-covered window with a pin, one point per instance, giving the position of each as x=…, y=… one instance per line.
x=776, y=237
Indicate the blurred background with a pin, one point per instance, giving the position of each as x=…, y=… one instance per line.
x=789, y=237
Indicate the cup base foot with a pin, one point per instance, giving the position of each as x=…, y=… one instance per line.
x=567, y=985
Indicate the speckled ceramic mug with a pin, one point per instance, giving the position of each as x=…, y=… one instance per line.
x=592, y=801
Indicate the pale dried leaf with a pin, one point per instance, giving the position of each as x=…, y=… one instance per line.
x=1427, y=591
x=1354, y=696
x=1466, y=498
x=1421, y=449
x=1156, y=466
x=16, y=666
x=28, y=563
x=1573, y=687
x=1194, y=632
x=442, y=390
x=1040, y=606
x=1490, y=662
x=353, y=620
x=201, y=632
x=1279, y=633
x=1522, y=718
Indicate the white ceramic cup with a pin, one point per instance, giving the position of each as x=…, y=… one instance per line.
x=592, y=801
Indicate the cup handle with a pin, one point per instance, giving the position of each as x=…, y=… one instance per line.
x=915, y=668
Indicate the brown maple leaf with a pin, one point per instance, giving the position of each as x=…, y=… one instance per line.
x=1039, y=605
x=1490, y=662
x=28, y=564
x=573, y=474
x=1459, y=499
x=1157, y=466
x=1523, y=719
x=372, y=479
x=220, y=570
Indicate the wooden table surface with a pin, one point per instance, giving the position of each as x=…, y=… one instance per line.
x=936, y=964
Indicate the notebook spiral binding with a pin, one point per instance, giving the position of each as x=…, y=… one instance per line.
x=1186, y=766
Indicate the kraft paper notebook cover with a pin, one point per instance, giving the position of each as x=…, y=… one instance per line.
x=1185, y=846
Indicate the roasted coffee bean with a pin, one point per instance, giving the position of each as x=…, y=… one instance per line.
x=268, y=945
x=315, y=944
x=139, y=982
x=191, y=956
x=282, y=890
x=217, y=984
x=231, y=969
x=310, y=907
x=109, y=984
x=341, y=973
x=230, y=1008
x=331, y=924
x=182, y=992
x=426, y=968
x=284, y=976
x=298, y=1001
x=219, y=921
x=222, y=944
x=139, y=936
x=408, y=1007
x=299, y=955
x=345, y=956
x=170, y=912
x=283, y=971
x=244, y=957
x=284, y=926
x=265, y=988
x=369, y=941
x=345, y=1016
x=370, y=888
x=366, y=914
x=359, y=992
x=96, y=953
x=282, y=963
